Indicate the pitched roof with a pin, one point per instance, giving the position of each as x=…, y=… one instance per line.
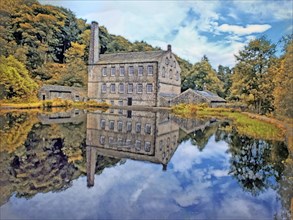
x=132, y=57
x=210, y=96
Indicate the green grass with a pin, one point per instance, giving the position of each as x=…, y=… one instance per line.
x=247, y=124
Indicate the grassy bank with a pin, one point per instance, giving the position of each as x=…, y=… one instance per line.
x=251, y=125
x=53, y=103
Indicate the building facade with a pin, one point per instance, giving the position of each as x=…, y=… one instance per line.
x=48, y=92
x=136, y=78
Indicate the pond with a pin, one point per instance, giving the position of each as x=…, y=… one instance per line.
x=122, y=164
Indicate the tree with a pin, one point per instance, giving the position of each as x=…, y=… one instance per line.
x=283, y=79
x=251, y=81
x=16, y=83
x=202, y=76
x=224, y=74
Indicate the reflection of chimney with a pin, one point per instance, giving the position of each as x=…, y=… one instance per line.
x=169, y=48
x=164, y=167
x=91, y=159
x=94, y=49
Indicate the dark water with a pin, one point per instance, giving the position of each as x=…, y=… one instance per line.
x=137, y=165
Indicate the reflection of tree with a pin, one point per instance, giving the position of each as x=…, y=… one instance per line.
x=50, y=158
x=255, y=164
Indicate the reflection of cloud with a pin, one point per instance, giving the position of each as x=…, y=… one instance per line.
x=196, y=185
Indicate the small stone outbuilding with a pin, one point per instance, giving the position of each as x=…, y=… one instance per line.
x=48, y=92
x=198, y=97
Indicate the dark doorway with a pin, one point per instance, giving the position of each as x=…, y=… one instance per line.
x=44, y=97
x=129, y=101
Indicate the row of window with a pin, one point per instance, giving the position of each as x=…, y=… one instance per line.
x=140, y=70
x=130, y=88
x=120, y=142
x=111, y=125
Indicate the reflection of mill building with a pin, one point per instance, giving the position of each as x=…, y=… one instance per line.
x=137, y=78
x=138, y=135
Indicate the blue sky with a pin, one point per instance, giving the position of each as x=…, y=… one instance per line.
x=215, y=28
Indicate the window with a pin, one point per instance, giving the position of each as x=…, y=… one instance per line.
x=113, y=71
x=111, y=125
x=122, y=71
x=174, y=63
x=130, y=88
x=140, y=70
x=128, y=143
x=104, y=88
x=112, y=103
x=163, y=72
x=171, y=74
x=171, y=62
x=149, y=88
x=129, y=126
x=104, y=71
x=147, y=129
x=150, y=70
x=112, y=87
x=120, y=111
x=119, y=126
x=139, y=88
x=130, y=71
x=120, y=102
x=177, y=75
x=137, y=127
x=120, y=142
x=137, y=145
x=167, y=61
x=121, y=88
x=147, y=146
x=102, y=140
x=103, y=123
x=111, y=140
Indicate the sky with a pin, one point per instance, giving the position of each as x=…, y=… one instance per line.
x=215, y=28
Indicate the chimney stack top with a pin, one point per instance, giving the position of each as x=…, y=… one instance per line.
x=169, y=47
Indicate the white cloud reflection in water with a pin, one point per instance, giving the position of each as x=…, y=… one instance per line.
x=196, y=185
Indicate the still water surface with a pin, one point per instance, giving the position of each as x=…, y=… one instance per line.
x=137, y=165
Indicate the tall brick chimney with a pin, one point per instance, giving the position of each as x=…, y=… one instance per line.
x=94, y=50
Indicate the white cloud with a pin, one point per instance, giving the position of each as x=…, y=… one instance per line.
x=240, y=30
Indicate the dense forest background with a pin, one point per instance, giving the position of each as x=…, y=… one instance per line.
x=43, y=44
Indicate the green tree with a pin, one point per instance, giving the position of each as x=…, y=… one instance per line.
x=224, y=74
x=16, y=83
x=251, y=82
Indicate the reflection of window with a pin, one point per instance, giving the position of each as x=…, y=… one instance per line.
x=119, y=126
x=120, y=142
x=104, y=71
x=138, y=127
x=163, y=72
x=113, y=71
x=130, y=71
x=149, y=88
x=104, y=88
x=102, y=140
x=103, y=123
x=150, y=70
x=161, y=145
x=122, y=71
x=121, y=88
x=140, y=70
x=139, y=88
x=147, y=146
x=129, y=126
x=112, y=88
x=137, y=145
x=130, y=88
x=147, y=129
x=111, y=125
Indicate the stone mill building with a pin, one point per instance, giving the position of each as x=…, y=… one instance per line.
x=132, y=78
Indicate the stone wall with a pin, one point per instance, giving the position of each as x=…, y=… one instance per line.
x=188, y=97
